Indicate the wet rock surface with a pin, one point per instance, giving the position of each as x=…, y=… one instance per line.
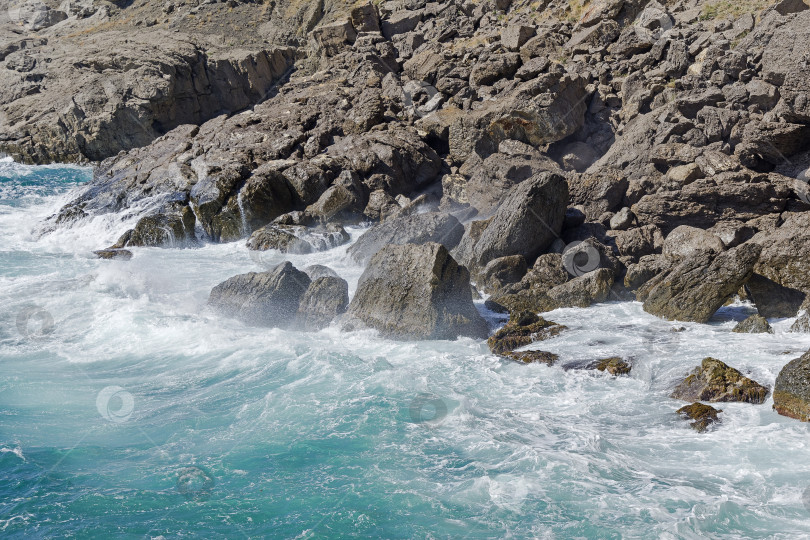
x=714, y=381
x=791, y=391
x=703, y=415
x=522, y=329
x=416, y=292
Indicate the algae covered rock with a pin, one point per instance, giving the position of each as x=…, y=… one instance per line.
x=754, y=324
x=522, y=329
x=703, y=415
x=614, y=365
x=533, y=357
x=714, y=381
x=791, y=392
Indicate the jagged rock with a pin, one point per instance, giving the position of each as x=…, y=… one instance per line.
x=515, y=35
x=696, y=288
x=781, y=282
x=532, y=357
x=703, y=415
x=791, y=391
x=646, y=269
x=598, y=192
x=622, y=220
x=802, y=322
x=324, y=300
x=122, y=254
x=268, y=298
x=436, y=227
x=522, y=329
x=315, y=271
x=583, y=291
x=344, y=200
x=120, y=90
x=416, y=292
x=530, y=293
x=614, y=365
x=685, y=242
x=638, y=242
x=753, y=325
x=526, y=223
x=332, y=38
x=297, y=238
x=714, y=381
x=500, y=272
x=495, y=68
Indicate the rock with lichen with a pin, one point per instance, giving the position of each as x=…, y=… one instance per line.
x=714, y=381
x=522, y=329
x=703, y=415
x=614, y=365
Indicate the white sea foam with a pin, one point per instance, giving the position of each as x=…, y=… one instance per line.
x=518, y=451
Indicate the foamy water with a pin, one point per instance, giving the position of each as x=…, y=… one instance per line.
x=130, y=409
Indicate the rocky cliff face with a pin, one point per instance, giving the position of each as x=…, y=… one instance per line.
x=675, y=132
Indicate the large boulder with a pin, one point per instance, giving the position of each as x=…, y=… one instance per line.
x=582, y=291
x=416, y=292
x=781, y=280
x=715, y=381
x=530, y=293
x=755, y=324
x=685, y=242
x=697, y=287
x=269, y=298
x=528, y=220
x=436, y=227
x=324, y=300
x=791, y=392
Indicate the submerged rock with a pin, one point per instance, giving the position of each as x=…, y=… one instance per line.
x=791, y=392
x=262, y=299
x=532, y=357
x=614, y=365
x=416, y=292
x=122, y=254
x=754, y=324
x=703, y=415
x=522, y=329
x=715, y=381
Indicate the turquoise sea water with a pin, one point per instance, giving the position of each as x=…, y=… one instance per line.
x=127, y=409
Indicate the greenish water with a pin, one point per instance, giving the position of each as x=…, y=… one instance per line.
x=127, y=409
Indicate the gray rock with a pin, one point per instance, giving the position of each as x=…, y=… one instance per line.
x=324, y=300
x=685, y=242
x=315, y=271
x=754, y=324
x=622, y=220
x=297, y=238
x=583, y=291
x=416, y=292
x=500, y=272
x=528, y=220
x=697, y=287
x=268, y=298
x=408, y=229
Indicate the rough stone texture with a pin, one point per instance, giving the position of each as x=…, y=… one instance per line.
x=262, y=299
x=526, y=223
x=791, y=392
x=501, y=272
x=696, y=288
x=685, y=242
x=522, y=329
x=714, y=381
x=408, y=229
x=324, y=300
x=754, y=324
x=614, y=365
x=530, y=293
x=583, y=291
x=533, y=357
x=119, y=254
x=416, y=292
x=120, y=90
x=297, y=238
x=703, y=415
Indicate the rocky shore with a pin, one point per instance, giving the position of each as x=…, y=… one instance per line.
x=540, y=155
